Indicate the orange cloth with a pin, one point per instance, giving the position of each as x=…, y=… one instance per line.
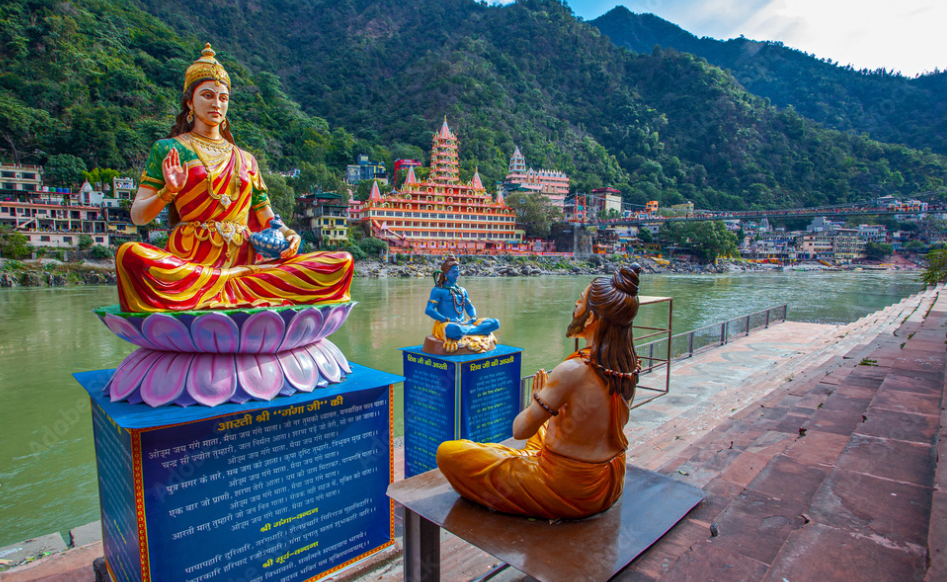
x=534, y=481
x=474, y=343
x=208, y=262
x=537, y=481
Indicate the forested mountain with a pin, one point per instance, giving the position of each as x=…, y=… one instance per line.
x=884, y=104
x=100, y=79
x=98, y=82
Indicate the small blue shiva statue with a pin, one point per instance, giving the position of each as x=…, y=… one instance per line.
x=457, y=330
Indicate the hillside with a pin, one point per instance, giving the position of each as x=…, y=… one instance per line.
x=883, y=104
x=97, y=82
x=666, y=126
x=318, y=81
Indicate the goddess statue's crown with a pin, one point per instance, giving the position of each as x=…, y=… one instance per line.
x=206, y=68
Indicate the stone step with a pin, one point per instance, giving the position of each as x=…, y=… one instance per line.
x=678, y=431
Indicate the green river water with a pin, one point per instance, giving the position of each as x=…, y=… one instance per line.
x=47, y=458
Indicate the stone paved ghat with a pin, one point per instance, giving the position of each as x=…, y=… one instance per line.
x=817, y=446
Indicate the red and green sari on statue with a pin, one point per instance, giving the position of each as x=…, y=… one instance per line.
x=208, y=262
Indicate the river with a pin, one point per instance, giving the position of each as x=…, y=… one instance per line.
x=47, y=458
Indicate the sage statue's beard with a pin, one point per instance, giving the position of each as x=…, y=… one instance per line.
x=578, y=323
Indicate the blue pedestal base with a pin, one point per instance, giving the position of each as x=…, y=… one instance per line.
x=472, y=397
x=287, y=490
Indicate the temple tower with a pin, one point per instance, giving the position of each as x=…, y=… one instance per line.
x=445, y=167
x=517, y=163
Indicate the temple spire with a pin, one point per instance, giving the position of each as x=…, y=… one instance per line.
x=477, y=183
x=410, y=179
x=376, y=194
x=445, y=130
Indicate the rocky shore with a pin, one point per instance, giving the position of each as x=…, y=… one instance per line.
x=54, y=273
x=546, y=266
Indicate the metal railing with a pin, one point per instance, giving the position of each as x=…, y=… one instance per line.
x=685, y=345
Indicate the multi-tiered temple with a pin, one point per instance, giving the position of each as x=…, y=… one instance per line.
x=553, y=184
x=441, y=213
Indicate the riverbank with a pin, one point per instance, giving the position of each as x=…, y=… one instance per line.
x=54, y=273
x=597, y=265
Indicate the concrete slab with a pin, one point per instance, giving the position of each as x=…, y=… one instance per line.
x=86, y=534
x=22, y=551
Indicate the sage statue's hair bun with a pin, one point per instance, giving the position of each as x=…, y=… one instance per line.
x=626, y=279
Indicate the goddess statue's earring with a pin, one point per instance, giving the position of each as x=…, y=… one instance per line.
x=224, y=124
x=190, y=116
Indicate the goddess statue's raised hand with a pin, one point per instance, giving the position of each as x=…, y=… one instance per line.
x=174, y=174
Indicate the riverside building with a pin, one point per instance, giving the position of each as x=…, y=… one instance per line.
x=53, y=219
x=441, y=214
x=326, y=215
x=554, y=185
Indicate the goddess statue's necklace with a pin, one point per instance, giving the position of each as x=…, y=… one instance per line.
x=221, y=146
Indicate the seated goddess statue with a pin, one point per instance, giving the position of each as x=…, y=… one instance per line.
x=216, y=198
x=457, y=330
x=573, y=464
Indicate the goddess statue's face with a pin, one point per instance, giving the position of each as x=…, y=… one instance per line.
x=210, y=102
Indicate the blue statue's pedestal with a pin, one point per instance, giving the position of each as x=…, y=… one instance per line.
x=472, y=397
x=286, y=490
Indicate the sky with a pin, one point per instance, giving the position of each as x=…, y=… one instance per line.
x=909, y=36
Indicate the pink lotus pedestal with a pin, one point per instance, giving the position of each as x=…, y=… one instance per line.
x=212, y=357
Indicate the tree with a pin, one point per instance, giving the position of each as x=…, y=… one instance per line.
x=100, y=252
x=314, y=177
x=372, y=246
x=85, y=241
x=672, y=233
x=101, y=176
x=13, y=244
x=914, y=246
x=21, y=127
x=535, y=212
x=878, y=251
x=644, y=235
x=936, y=271
x=709, y=240
x=357, y=253
x=64, y=171
x=282, y=196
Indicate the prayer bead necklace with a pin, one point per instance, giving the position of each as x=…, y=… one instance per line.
x=459, y=307
x=608, y=372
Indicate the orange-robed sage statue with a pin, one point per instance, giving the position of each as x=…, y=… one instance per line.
x=573, y=465
x=216, y=198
